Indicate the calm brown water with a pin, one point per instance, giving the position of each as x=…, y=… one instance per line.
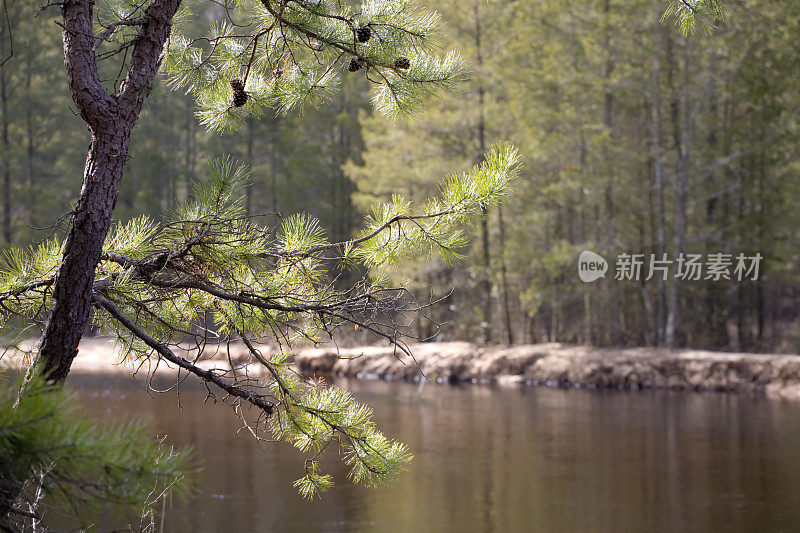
x=489, y=459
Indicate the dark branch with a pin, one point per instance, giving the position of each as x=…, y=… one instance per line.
x=141, y=21
x=259, y=401
x=10, y=35
x=46, y=6
x=95, y=105
x=146, y=54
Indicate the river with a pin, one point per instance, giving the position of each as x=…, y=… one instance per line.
x=496, y=459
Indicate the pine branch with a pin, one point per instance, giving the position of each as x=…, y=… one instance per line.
x=206, y=375
x=146, y=55
x=25, y=288
x=145, y=271
x=46, y=6
x=140, y=21
x=95, y=105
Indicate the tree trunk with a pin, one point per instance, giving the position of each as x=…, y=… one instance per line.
x=191, y=142
x=72, y=290
x=504, y=276
x=6, y=157
x=486, y=282
x=111, y=120
x=658, y=169
x=248, y=204
x=682, y=141
x=615, y=335
x=31, y=143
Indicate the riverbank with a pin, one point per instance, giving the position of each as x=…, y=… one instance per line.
x=568, y=366
x=552, y=364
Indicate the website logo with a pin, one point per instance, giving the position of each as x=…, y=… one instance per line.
x=591, y=266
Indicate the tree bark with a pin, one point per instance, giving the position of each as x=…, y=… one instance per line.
x=110, y=119
x=72, y=291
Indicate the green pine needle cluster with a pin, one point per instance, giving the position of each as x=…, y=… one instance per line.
x=292, y=54
x=436, y=228
x=313, y=483
x=83, y=466
x=319, y=416
x=696, y=16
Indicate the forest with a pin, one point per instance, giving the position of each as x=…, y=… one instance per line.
x=636, y=139
x=576, y=220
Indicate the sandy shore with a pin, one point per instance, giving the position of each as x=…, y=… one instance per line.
x=561, y=365
x=553, y=364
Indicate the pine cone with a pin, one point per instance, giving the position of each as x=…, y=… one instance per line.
x=239, y=98
x=355, y=65
x=402, y=62
x=363, y=34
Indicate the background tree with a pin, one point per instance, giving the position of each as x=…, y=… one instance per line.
x=453, y=134
x=637, y=140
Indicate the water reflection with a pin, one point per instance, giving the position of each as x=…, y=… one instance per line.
x=488, y=459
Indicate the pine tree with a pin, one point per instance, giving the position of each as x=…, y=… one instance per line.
x=306, y=43
x=286, y=55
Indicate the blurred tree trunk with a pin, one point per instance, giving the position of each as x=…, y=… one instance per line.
x=4, y=82
x=614, y=334
x=658, y=172
x=509, y=331
x=248, y=204
x=486, y=281
x=191, y=144
x=31, y=141
x=681, y=137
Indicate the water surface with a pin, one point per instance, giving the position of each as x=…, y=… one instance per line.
x=498, y=459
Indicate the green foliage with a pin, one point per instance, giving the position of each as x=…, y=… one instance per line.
x=313, y=483
x=436, y=228
x=581, y=89
x=314, y=419
x=290, y=54
x=403, y=93
x=24, y=276
x=691, y=15
x=81, y=465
